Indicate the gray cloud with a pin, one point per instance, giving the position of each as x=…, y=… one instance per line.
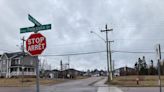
x=138, y=26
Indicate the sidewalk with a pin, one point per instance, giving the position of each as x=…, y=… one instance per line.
x=109, y=89
x=106, y=88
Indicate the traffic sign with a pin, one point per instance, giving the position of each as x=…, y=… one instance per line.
x=33, y=20
x=35, y=44
x=35, y=29
x=38, y=26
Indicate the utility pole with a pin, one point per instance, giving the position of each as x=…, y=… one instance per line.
x=23, y=40
x=113, y=65
x=158, y=53
x=68, y=62
x=23, y=52
x=61, y=65
x=110, y=57
x=106, y=30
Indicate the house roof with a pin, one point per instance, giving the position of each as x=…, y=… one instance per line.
x=9, y=55
x=71, y=69
x=124, y=68
x=14, y=54
x=55, y=70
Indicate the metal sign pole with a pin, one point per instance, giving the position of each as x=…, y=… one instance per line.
x=37, y=74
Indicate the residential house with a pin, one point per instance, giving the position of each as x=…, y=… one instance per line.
x=103, y=73
x=17, y=64
x=70, y=73
x=56, y=73
x=87, y=73
x=95, y=73
x=124, y=71
x=50, y=73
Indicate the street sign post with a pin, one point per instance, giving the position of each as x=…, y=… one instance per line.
x=35, y=29
x=37, y=26
x=35, y=44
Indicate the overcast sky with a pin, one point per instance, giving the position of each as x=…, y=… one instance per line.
x=137, y=26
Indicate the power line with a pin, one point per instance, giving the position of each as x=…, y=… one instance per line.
x=73, y=54
x=117, y=51
x=134, y=52
x=95, y=52
x=138, y=39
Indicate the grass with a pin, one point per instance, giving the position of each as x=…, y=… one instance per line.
x=17, y=82
x=81, y=77
x=27, y=82
x=130, y=81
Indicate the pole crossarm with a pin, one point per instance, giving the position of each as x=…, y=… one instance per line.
x=111, y=41
x=106, y=30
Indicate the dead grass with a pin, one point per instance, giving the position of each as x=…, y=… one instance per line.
x=81, y=77
x=17, y=82
x=146, y=81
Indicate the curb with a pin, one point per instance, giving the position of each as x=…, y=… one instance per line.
x=91, y=84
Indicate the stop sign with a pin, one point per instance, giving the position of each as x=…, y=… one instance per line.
x=35, y=44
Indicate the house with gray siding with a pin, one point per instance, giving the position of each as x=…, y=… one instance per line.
x=17, y=64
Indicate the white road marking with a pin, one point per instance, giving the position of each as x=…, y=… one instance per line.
x=109, y=89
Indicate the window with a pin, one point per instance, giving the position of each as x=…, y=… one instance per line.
x=20, y=69
x=16, y=61
x=4, y=62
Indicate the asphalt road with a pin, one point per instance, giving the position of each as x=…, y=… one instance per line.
x=74, y=86
x=84, y=85
x=93, y=84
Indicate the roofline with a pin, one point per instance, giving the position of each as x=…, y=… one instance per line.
x=5, y=55
x=124, y=67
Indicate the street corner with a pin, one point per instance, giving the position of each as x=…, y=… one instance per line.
x=109, y=89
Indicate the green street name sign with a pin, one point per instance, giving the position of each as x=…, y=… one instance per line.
x=35, y=29
x=33, y=20
x=38, y=26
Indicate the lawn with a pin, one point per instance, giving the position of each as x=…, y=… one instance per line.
x=17, y=82
x=146, y=81
x=27, y=82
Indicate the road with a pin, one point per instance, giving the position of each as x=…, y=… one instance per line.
x=75, y=86
x=93, y=84
x=84, y=85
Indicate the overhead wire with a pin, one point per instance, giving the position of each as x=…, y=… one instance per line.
x=94, y=52
x=71, y=54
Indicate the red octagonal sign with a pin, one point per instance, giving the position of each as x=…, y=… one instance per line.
x=35, y=44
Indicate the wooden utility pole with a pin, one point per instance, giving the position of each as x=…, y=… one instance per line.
x=158, y=54
x=23, y=54
x=107, y=50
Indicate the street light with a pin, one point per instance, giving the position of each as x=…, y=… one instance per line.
x=98, y=36
x=108, y=46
